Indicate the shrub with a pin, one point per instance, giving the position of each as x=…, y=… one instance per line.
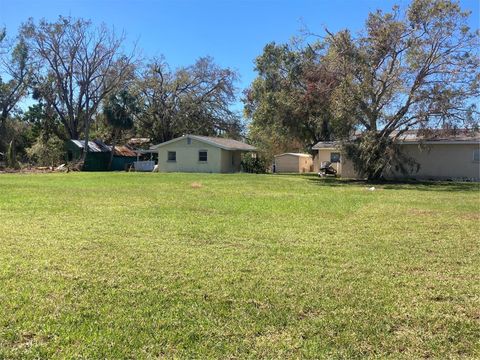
x=46, y=153
x=254, y=164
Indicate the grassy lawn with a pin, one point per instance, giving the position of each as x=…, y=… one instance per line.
x=125, y=265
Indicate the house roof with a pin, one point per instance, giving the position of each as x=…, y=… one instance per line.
x=294, y=154
x=438, y=136
x=93, y=146
x=226, y=144
x=139, y=141
x=423, y=137
x=326, y=145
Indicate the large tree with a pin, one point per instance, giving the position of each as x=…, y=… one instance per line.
x=78, y=66
x=291, y=96
x=194, y=99
x=412, y=69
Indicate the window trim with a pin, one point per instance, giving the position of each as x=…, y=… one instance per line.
x=206, y=156
x=168, y=156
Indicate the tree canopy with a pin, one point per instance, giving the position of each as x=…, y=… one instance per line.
x=413, y=69
x=194, y=99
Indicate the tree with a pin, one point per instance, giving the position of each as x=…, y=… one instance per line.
x=44, y=122
x=417, y=69
x=291, y=96
x=79, y=65
x=12, y=155
x=15, y=74
x=119, y=113
x=193, y=99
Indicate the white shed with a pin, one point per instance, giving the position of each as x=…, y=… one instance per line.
x=293, y=162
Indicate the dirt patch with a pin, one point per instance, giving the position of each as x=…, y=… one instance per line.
x=471, y=216
x=422, y=212
x=196, y=185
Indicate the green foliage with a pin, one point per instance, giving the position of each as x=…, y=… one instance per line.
x=120, y=110
x=245, y=266
x=290, y=98
x=373, y=154
x=46, y=153
x=253, y=163
x=414, y=70
x=44, y=122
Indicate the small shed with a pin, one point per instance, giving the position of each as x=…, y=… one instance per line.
x=293, y=163
x=123, y=158
x=98, y=156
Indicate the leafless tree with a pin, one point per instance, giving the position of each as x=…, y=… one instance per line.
x=194, y=99
x=14, y=75
x=78, y=65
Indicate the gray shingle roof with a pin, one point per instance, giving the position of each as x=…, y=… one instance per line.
x=415, y=137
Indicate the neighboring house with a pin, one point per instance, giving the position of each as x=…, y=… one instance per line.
x=293, y=162
x=453, y=157
x=193, y=153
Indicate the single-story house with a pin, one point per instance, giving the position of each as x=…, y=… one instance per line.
x=293, y=162
x=194, y=153
x=441, y=157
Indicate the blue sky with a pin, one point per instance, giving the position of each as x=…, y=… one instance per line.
x=233, y=32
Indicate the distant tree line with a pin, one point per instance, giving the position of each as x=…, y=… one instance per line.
x=412, y=68
x=80, y=83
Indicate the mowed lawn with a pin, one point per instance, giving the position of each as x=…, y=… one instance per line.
x=132, y=265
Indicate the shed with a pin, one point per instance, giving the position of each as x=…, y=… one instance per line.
x=293, y=163
x=98, y=155
x=194, y=153
x=123, y=158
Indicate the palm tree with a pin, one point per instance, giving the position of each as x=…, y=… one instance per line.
x=119, y=112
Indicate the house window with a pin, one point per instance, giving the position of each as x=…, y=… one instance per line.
x=334, y=157
x=172, y=156
x=202, y=156
x=476, y=155
x=189, y=141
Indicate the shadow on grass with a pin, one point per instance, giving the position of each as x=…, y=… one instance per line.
x=398, y=185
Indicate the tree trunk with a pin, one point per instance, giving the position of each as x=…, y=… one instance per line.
x=114, y=143
x=86, y=131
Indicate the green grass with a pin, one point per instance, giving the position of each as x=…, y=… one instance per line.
x=125, y=265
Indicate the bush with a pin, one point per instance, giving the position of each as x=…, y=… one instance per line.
x=48, y=153
x=254, y=164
